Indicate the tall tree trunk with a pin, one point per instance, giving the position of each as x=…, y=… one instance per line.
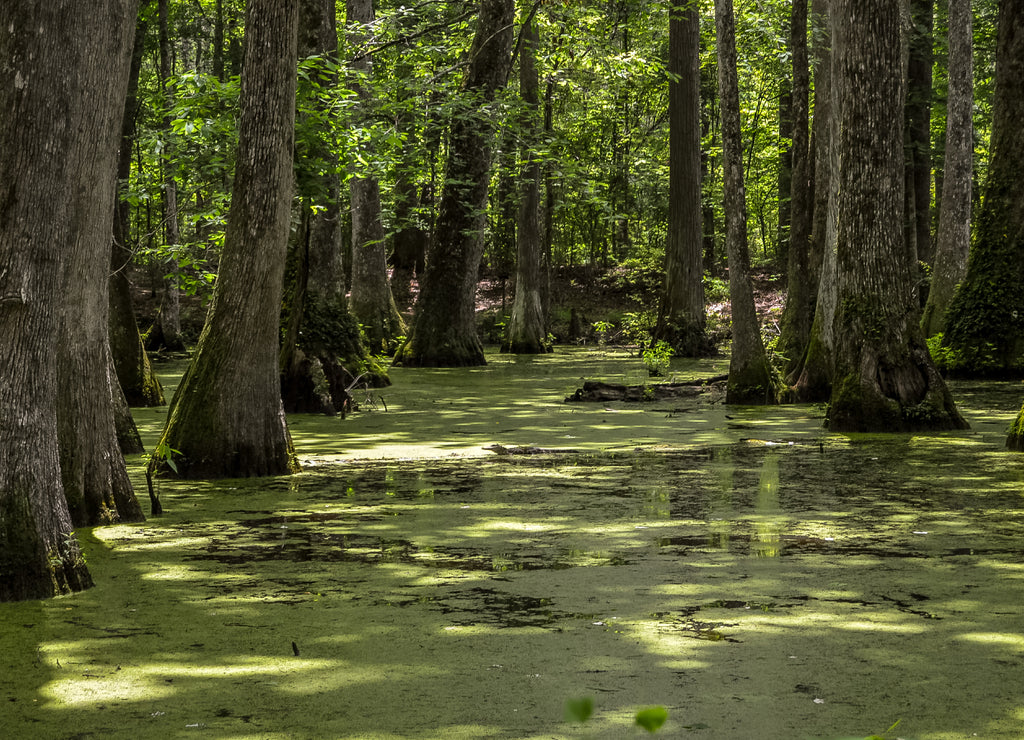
x=801, y=293
x=821, y=142
x=884, y=377
x=318, y=37
x=411, y=195
x=814, y=378
x=709, y=118
x=785, y=186
x=372, y=302
x=443, y=333
x=954, y=236
x=410, y=240
x=321, y=352
x=527, y=328
x=166, y=331
x=918, y=135
x=95, y=479
x=985, y=322
x=226, y=418
x=134, y=372
x=63, y=79
x=750, y=378
x=681, y=316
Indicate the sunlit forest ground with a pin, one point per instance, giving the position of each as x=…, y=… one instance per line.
x=753, y=574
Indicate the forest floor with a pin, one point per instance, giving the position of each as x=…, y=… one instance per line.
x=425, y=577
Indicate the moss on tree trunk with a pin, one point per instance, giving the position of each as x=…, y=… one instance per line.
x=63, y=94
x=884, y=378
x=1015, y=439
x=985, y=323
x=226, y=418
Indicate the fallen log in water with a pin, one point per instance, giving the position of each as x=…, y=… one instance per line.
x=596, y=391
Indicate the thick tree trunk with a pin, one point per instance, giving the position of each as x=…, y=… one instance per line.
x=93, y=471
x=443, y=333
x=227, y=419
x=750, y=378
x=135, y=374
x=814, y=378
x=801, y=293
x=884, y=378
x=526, y=330
x=371, y=300
x=63, y=77
x=681, y=314
x=954, y=236
x=985, y=322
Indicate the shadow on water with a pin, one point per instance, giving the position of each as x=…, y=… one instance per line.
x=758, y=577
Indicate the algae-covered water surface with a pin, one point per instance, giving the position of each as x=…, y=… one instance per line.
x=756, y=576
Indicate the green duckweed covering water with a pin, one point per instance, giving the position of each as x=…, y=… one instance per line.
x=754, y=575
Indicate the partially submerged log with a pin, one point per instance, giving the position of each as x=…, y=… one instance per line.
x=498, y=449
x=596, y=391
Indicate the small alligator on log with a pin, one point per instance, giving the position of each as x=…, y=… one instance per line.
x=597, y=391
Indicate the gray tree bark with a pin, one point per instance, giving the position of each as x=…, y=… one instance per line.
x=681, y=313
x=750, y=378
x=63, y=78
x=801, y=289
x=443, y=333
x=95, y=479
x=166, y=330
x=918, y=116
x=227, y=418
x=985, y=322
x=953, y=240
x=814, y=378
x=526, y=330
x=884, y=377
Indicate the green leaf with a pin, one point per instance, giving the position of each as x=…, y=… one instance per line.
x=652, y=718
x=579, y=710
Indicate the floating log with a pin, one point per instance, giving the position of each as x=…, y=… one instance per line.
x=596, y=391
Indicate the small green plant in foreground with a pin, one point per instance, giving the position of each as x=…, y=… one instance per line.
x=164, y=454
x=602, y=328
x=652, y=718
x=657, y=359
x=883, y=735
x=581, y=709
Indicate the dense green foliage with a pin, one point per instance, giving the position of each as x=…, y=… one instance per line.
x=604, y=151
x=603, y=144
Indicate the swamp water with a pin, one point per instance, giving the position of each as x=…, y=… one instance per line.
x=756, y=576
